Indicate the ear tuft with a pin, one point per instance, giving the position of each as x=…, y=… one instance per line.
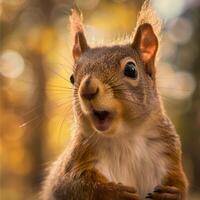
x=80, y=42
x=148, y=15
x=76, y=20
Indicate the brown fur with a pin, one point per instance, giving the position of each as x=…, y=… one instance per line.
x=138, y=113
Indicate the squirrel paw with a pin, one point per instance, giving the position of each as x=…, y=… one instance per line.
x=165, y=193
x=126, y=192
x=112, y=191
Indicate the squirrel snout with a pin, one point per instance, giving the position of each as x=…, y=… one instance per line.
x=89, y=88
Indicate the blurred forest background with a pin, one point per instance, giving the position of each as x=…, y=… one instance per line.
x=35, y=94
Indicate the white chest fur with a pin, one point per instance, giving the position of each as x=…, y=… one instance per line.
x=134, y=162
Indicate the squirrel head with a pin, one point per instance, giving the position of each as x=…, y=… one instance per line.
x=114, y=86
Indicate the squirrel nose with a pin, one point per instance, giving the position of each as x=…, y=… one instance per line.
x=89, y=89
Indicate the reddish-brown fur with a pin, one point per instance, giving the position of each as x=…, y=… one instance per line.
x=74, y=175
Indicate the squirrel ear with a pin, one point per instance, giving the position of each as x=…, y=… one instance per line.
x=80, y=43
x=146, y=43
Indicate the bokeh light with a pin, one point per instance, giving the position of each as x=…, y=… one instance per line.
x=169, y=9
x=12, y=64
x=167, y=48
x=182, y=28
x=178, y=85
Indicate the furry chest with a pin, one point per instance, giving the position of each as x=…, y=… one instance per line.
x=133, y=163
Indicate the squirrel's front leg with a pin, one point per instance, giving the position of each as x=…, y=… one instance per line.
x=113, y=191
x=162, y=192
x=174, y=187
x=91, y=186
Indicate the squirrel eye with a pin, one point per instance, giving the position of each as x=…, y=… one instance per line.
x=130, y=70
x=72, y=79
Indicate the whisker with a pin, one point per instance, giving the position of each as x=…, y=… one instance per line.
x=62, y=77
x=28, y=122
x=64, y=118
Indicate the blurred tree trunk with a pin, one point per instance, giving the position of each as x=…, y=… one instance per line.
x=191, y=121
x=194, y=115
x=36, y=139
x=35, y=143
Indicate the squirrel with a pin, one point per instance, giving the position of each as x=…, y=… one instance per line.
x=124, y=146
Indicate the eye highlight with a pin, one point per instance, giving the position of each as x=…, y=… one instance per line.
x=130, y=70
x=72, y=79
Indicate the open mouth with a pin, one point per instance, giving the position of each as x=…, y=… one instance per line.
x=102, y=119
